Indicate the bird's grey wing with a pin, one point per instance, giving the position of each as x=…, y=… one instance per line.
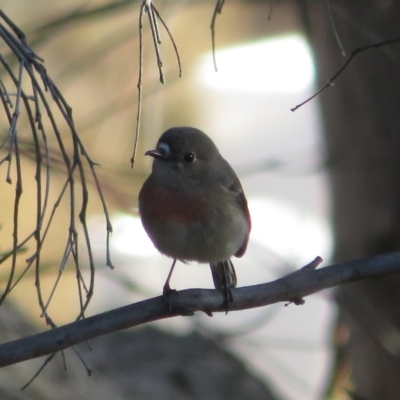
x=236, y=189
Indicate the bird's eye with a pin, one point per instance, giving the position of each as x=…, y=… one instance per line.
x=189, y=157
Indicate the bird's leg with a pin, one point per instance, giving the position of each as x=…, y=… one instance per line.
x=167, y=291
x=228, y=297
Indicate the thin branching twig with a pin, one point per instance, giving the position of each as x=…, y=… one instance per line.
x=334, y=29
x=271, y=8
x=148, y=7
x=331, y=81
x=30, y=69
x=139, y=85
x=217, y=10
x=37, y=373
x=43, y=121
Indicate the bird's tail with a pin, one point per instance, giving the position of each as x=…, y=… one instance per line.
x=224, y=275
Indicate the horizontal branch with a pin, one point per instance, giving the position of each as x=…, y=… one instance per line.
x=291, y=288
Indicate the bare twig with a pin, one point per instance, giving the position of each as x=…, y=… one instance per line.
x=296, y=285
x=149, y=9
x=271, y=8
x=217, y=10
x=334, y=29
x=14, y=148
x=344, y=66
x=172, y=41
x=152, y=12
x=31, y=69
x=37, y=373
x=139, y=85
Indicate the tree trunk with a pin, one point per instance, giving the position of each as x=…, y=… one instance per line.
x=361, y=116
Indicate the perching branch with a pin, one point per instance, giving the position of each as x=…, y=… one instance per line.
x=291, y=288
x=344, y=66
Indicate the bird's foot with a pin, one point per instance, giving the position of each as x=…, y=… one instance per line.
x=167, y=293
x=228, y=298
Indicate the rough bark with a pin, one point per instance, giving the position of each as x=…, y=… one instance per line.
x=362, y=135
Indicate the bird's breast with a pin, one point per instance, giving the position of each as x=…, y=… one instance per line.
x=161, y=204
x=198, y=225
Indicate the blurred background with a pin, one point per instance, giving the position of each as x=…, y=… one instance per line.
x=320, y=181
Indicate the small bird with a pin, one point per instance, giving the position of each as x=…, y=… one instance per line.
x=193, y=207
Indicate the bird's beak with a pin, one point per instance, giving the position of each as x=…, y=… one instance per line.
x=155, y=153
x=161, y=152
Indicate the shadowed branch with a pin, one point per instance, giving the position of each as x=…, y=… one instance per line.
x=291, y=288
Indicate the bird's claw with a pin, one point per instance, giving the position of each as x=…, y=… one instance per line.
x=167, y=293
x=228, y=298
